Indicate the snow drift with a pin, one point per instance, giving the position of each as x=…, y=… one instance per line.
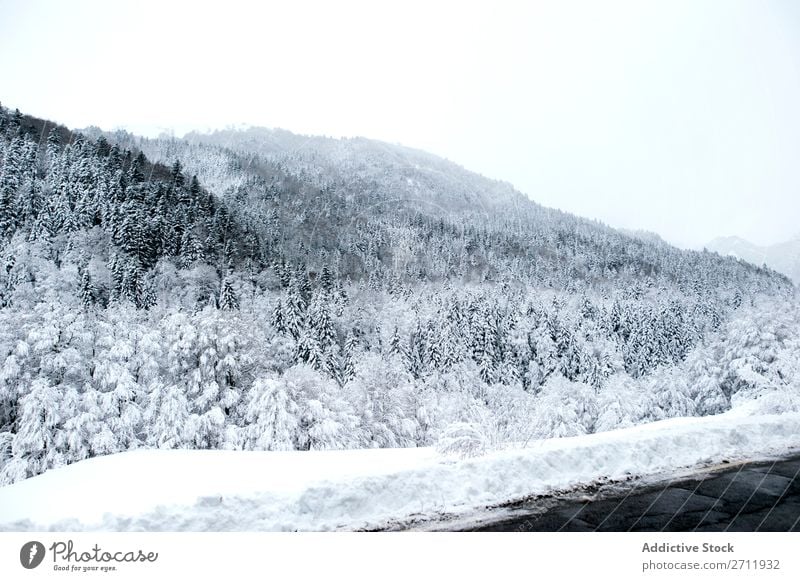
x=167, y=490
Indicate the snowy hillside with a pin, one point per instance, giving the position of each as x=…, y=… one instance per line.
x=274, y=491
x=401, y=171
x=247, y=291
x=783, y=257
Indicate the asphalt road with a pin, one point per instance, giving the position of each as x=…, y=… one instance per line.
x=757, y=496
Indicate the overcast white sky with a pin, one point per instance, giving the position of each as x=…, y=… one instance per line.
x=677, y=117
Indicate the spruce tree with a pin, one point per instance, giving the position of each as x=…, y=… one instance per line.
x=277, y=318
x=177, y=174
x=87, y=290
x=228, y=300
x=350, y=356
x=396, y=345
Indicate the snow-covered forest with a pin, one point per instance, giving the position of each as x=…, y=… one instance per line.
x=260, y=290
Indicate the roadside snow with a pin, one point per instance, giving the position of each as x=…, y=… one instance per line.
x=174, y=490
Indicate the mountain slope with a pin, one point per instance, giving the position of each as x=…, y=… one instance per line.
x=400, y=171
x=350, y=294
x=783, y=257
x=406, y=198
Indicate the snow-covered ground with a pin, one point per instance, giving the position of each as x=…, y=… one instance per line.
x=171, y=490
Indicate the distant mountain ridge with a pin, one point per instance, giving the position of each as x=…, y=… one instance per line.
x=783, y=257
x=411, y=172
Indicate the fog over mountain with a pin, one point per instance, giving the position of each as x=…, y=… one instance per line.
x=783, y=257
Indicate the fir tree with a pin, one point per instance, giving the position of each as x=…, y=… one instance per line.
x=228, y=300
x=350, y=356
x=277, y=318
x=177, y=174
x=396, y=347
x=87, y=290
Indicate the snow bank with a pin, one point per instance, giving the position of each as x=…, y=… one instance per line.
x=164, y=490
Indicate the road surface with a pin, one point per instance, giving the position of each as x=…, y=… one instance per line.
x=751, y=496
